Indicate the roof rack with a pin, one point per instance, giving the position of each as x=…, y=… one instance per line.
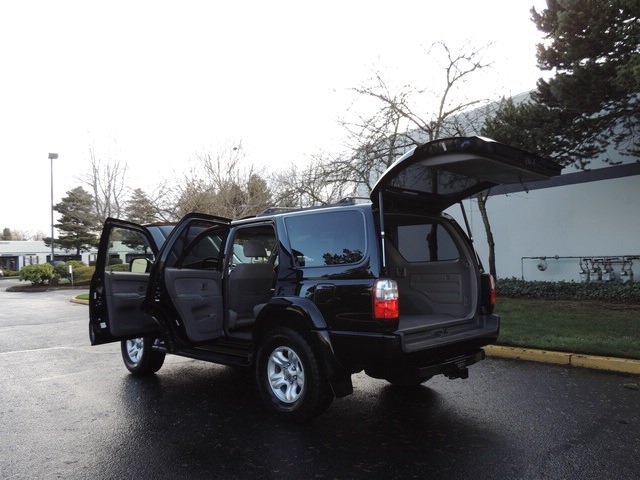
x=342, y=202
x=352, y=200
x=274, y=210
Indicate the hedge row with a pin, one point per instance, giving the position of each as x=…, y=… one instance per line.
x=615, y=292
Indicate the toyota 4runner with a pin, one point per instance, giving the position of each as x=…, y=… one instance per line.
x=308, y=297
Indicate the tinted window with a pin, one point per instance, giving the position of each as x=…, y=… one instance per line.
x=255, y=244
x=330, y=238
x=126, y=245
x=204, y=252
x=429, y=242
x=183, y=242
x=431, y=180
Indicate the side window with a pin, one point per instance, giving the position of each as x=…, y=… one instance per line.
x=254, y=244
x=204, y=251
x=126, y=245
x=428, y=242
x=185, y=241
x=327, y=238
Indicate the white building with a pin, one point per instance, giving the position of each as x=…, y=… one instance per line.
x=16, y=254
x=560, y=229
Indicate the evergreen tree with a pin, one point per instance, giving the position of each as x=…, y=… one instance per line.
x=6, y=234
x=532, y=126
x=593, y=100
x=593, y=47
x=140, y=209
x=78, y=222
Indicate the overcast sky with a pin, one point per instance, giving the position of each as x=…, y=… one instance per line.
x=154, y=82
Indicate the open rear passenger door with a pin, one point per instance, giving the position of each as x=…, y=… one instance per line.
x=119, y=284
x=185, y=289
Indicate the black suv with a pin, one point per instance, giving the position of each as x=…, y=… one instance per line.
x=309, y=297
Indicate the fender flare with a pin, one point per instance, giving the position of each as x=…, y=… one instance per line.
x=292, y=307
x=303, y=314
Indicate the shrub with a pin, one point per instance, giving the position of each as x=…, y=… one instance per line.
x=82, y=275
x=119, y=267
x=37, y=274
x=62, y=269
x=614, y=292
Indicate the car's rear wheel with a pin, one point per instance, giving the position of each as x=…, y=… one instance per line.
x=139, y=357
x=290, y=378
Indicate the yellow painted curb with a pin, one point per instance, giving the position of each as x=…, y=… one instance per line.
x=620, y=365
x=607, y=363
x=542, y=356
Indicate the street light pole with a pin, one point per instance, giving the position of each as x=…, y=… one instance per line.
x=52, y=157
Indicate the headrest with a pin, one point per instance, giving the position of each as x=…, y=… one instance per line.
x=253, y=248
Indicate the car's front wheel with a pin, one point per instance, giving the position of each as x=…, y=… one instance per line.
x=139, y=357
x=290, y=377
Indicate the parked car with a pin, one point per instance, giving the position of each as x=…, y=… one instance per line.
x=308, y=297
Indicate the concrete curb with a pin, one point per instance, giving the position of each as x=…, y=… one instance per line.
x=611, y=364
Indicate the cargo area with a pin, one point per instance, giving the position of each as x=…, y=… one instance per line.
x=434, y=269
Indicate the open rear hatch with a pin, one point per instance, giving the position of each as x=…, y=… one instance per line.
x=438, y=174
x=430, y=260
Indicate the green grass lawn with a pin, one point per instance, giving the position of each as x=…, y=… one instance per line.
x=571, y=326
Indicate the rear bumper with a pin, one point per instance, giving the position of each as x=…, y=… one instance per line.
x=486, y=327
x=453, y=367
x=426, y=350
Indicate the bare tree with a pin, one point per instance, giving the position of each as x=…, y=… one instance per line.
x=411, y=115
x=106, y=180
x=239, y=188
x=222, y=183
x=21, y=235
x=408, y=115
x=375, y=141
x=434, y=111
x=318, y=183
x=482, y=198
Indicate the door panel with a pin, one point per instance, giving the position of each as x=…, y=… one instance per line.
x=116, y=293
x=197, y=296
x=124, y=293
x=186, y=281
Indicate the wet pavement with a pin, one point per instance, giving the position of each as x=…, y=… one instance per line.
x=68, y=410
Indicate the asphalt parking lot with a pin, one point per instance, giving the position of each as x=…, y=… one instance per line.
x=68, y=410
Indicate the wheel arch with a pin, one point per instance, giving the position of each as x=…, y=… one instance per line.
x=303, y=315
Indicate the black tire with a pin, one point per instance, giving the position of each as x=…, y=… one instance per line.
x=139, y=358
x=290, y=377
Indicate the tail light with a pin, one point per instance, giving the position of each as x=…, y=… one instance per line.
x=488, y=292
x=385, y=299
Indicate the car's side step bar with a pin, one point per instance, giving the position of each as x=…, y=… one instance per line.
x=208, y=355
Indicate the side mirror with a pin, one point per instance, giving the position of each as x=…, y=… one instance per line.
x=140, y=265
